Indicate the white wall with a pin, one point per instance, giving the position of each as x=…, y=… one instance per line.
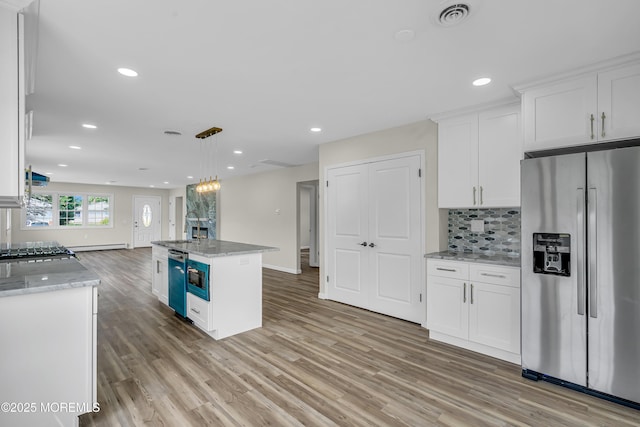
x=248, y=212
x=421, y=135
x=121, y=232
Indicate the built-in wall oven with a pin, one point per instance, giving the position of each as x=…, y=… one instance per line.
x=198, y=279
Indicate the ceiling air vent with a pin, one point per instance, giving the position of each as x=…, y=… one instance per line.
x=172, y=133
x=453, y=14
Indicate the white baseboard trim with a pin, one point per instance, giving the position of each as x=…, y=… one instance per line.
x=98, y=247
x=283, y=269
x=322, y=295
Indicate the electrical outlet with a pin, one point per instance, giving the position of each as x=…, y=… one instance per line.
x=477, y=225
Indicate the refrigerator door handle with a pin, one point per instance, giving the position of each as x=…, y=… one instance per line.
x=581, y=294
x=593, y=244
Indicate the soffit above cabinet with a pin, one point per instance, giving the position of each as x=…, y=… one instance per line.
x=15, y=4
x=577, y=72
x=475, y=108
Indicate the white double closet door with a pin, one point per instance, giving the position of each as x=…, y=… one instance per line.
x=374, y=237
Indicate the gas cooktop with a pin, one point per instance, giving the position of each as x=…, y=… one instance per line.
x=35, y=253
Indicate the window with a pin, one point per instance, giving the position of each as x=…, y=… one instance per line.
x=64, y=210
x=39, y=211
x=98, y=211
x=70, y=210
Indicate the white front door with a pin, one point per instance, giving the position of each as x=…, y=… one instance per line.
x=146, y=220
x=374, y=237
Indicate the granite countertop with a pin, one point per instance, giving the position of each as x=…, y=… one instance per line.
x=20, y=278
x=213, y=248
x=505, y=260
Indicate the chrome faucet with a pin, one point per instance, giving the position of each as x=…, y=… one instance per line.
x=197, y=219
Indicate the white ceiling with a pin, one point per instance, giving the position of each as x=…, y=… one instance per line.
x=267, y=71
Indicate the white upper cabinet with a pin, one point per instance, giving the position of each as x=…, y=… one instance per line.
x=559, y=115
x=458, y=161
x=479, y=159
x=599, y=106
x=619, y=101
x=12, y=114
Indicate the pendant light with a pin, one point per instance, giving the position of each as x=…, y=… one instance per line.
x=212, y=185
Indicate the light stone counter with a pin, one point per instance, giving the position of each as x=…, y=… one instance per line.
x=18, y=278
x=505, y=260
x=213, y=248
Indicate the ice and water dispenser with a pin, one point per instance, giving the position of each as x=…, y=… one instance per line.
x=552, y=253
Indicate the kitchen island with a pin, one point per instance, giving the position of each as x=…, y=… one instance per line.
x=48, y=333
x=228, y=299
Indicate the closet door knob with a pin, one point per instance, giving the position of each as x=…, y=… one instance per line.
x=372, y=245
x=363, y=244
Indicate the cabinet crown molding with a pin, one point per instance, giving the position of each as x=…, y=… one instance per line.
x=473, y=109
x=594, y=68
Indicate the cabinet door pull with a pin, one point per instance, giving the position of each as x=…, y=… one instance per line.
x=453, y=270
x=472, y=293
x=464, y=293
x=158, y=266
x=481, y=202
x=500, y=276
x=603, y=117
x=474, y=195
x=195, y=310
x=592, y=119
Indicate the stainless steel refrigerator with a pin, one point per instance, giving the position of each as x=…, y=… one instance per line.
x=581, y=272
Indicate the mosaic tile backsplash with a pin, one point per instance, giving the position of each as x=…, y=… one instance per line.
x=501, y=231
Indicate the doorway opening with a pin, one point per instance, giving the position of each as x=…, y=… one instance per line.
x=307, y=221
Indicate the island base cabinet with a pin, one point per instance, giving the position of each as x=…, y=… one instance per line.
x=160, y=274
x=48, y=357
x=482, y=316
x=235, y=296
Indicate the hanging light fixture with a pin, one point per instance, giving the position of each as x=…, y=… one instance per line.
x=211, y=185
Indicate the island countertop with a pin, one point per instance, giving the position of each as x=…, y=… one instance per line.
x=213, y=248
x=19, y=278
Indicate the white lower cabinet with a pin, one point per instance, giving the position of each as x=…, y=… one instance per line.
x=200, y=312
x=48, y=357
x=475, y=306
x=160, y=275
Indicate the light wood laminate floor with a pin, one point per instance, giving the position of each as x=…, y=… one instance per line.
x=313, y=363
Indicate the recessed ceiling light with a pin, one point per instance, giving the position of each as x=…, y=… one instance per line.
x=165, y=182
x=404, y=35
x=75, y=147
x=481, y=81
x=89, y=126
x=127, y=72
x=237, y=151
x=316, y=129
x=62, y=165
x=231, y=167
x=48, y=173
x=152, y=186
x=189, y=177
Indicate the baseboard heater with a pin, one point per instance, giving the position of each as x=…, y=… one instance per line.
x=98, y=247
